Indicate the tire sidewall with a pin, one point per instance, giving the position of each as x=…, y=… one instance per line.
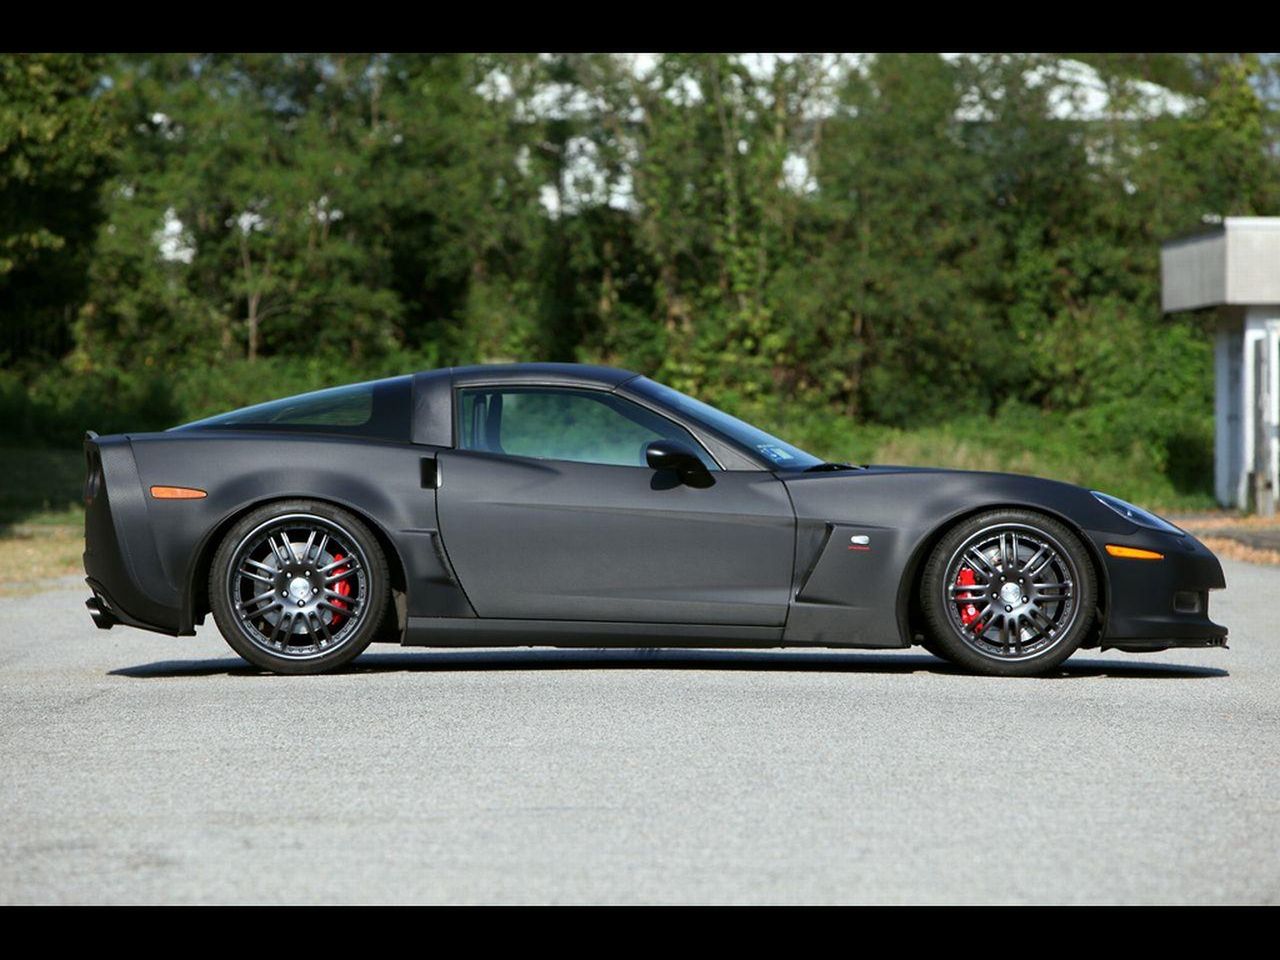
x=377, y=580
x=934, y=597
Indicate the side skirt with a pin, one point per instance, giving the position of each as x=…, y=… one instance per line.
x=478, y=632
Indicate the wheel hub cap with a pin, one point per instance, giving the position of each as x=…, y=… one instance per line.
x=1011, y=593
x=300, y=588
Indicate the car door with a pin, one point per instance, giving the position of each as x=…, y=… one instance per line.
x=548, y=510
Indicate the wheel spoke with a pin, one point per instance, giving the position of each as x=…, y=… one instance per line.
x=256, y=605
x=283, y=556
x=311, y=631
x=1039, y=622
x=980, y=621
x=1038, y=561
x=348, y=609
x=346, y=561
x=281, y=628
x=334, y=578
x=977, y=559
x=1054, y=591
x=324, y=629
x=255, y=576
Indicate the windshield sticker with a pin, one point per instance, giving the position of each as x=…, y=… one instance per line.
x=776, y=454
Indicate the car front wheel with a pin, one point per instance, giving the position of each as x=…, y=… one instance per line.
x=1008, y=593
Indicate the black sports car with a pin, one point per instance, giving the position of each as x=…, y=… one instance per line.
x=567, y=505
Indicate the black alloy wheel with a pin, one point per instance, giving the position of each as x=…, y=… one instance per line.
x=1009, y=592
x=299, y=587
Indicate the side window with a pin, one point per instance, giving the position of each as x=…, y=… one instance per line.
x=379, y=408
x=564, y=424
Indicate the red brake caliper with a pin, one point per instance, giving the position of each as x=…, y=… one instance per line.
x=343, y=588
x=968, y=612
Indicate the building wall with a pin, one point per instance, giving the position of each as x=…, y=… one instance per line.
x=1246, y=410
x=1253, y=260
x=1193, y=272
x=1228, y=451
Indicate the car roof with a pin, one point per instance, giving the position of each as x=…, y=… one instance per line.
x=583, y=373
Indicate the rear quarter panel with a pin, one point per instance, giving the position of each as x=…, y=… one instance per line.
x=167, y=543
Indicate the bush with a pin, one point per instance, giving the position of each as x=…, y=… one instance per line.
x=54, y=408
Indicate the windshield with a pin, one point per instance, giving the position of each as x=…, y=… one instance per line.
x=777, y=452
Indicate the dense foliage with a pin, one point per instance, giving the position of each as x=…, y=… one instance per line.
x=857, y=250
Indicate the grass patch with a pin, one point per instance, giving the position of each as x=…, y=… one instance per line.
x=40, y=487
x=41, y=517
x=37, y=553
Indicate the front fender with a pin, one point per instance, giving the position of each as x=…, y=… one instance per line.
x=861, y=592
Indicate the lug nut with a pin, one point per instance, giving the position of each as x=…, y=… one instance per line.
x=1007, y=609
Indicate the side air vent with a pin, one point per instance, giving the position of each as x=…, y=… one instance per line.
x=430, y=473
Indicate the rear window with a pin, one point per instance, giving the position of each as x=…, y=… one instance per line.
x=379, y=408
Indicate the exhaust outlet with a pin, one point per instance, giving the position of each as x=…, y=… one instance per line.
x=103, y=618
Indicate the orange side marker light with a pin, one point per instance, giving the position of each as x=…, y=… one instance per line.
x=177, y=493
x=1133, y=553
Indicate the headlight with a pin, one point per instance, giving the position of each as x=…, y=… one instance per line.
x=1143, y=518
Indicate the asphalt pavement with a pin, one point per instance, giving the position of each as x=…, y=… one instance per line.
x=137, y=768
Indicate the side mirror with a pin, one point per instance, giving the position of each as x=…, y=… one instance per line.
x=674, y=455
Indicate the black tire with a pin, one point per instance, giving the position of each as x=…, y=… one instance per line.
x=321, y=601
x=1008, y=593
x=929, y=646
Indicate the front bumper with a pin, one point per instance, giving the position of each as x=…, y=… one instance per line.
x=1157, y=604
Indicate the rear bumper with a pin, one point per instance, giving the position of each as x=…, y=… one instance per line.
x=120, y=561
x=107, y=612
x=1157, y=604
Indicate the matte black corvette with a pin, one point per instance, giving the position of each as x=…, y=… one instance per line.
x=566, y=505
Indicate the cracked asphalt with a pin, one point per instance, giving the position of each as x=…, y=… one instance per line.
x=138, y=768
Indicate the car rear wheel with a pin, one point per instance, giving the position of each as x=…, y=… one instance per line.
x=299, y=586
x=1008, y=593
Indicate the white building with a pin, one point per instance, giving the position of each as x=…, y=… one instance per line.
x=1235, y=269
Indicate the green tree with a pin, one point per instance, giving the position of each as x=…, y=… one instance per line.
x=56, y=148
